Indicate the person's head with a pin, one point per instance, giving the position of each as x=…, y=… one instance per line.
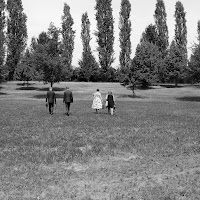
x=97, y=90
x=67, y=88
x=50, y=89
x=109, y=92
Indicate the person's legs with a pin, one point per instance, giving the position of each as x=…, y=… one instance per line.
x=67, y=107
x=49, y=108
x=111, y=111
x=108, y=110
x=52, y=106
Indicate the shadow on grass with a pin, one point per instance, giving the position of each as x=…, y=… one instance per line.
x=130, y=96
x=40, y=89
x=26, y=88
x=171, y=86
x=189, y=98
x=43, y=96
x=54, y=89
x=3, y=93
x=25, y=84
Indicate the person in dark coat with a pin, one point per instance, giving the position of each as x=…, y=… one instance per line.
x=50, y=100
x=110, y=102
x=67, y=99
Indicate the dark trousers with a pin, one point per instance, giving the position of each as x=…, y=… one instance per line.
x=51, y=105
x=67, y=104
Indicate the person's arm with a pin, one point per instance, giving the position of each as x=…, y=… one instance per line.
x=55, y=97
x=72, y=99
x=114, y=100
x=47, y=97
x=64, y=98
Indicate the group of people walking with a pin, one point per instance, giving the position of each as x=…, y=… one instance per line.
x=97, y=103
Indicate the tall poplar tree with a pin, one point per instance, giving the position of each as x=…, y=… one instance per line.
x=160, y=17
x=16, y=34
x=124, y=35
x=2, y=37
x=68, y=35
x=180, y=37
x=88, y=63
x=181, y=29
x=105, y=35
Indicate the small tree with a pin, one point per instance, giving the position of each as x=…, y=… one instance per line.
x=46, y=55
x=88, y=64
x=147, y=60
x=175, y=63
x=25, y=71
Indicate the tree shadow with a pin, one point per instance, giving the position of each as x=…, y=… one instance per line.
x=3, y=93
x=189, y=98
x=171, y=86
x=140, y=87
x=26, y=88
x=54, y=89
x=23, y=84
x=43, y=96
x=130, y=96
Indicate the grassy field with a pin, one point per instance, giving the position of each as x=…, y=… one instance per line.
x=148, y=150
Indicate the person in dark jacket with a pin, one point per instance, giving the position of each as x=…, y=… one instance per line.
x=110, y=102
x=67, y=99
x=50, y=100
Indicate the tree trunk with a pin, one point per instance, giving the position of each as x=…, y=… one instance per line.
x=51, y=84
x=133, y=89
x=176, y=82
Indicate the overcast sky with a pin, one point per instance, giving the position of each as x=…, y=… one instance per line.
x=40, y=13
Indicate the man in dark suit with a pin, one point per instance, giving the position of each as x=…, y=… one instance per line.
x=50, y=99
x=67, y=99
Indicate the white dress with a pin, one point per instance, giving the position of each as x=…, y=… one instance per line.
x=97, y=101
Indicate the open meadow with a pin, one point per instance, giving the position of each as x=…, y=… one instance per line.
x=148, y=150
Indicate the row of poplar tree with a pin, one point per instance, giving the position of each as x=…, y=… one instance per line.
x=49, y=56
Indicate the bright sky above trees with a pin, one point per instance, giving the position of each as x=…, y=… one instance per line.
x=41, y=12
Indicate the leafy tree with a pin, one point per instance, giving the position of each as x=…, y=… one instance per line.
x=16, y=34
x=175, y=63
x=124, y=35
x=25, y=71
x=146, y=63
x=47, y=55
x=178, y=48
x=194, y=64
x=2, y=37
x=88, y=63
x=68, y=35
x=150, y=34
x=105, y=35
x=160, y=17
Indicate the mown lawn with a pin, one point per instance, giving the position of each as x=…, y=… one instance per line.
x=149, y=149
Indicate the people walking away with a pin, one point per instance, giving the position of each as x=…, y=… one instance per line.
x=67, y=99
x=50, y=100
x=110, y=101
x=97, y=103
